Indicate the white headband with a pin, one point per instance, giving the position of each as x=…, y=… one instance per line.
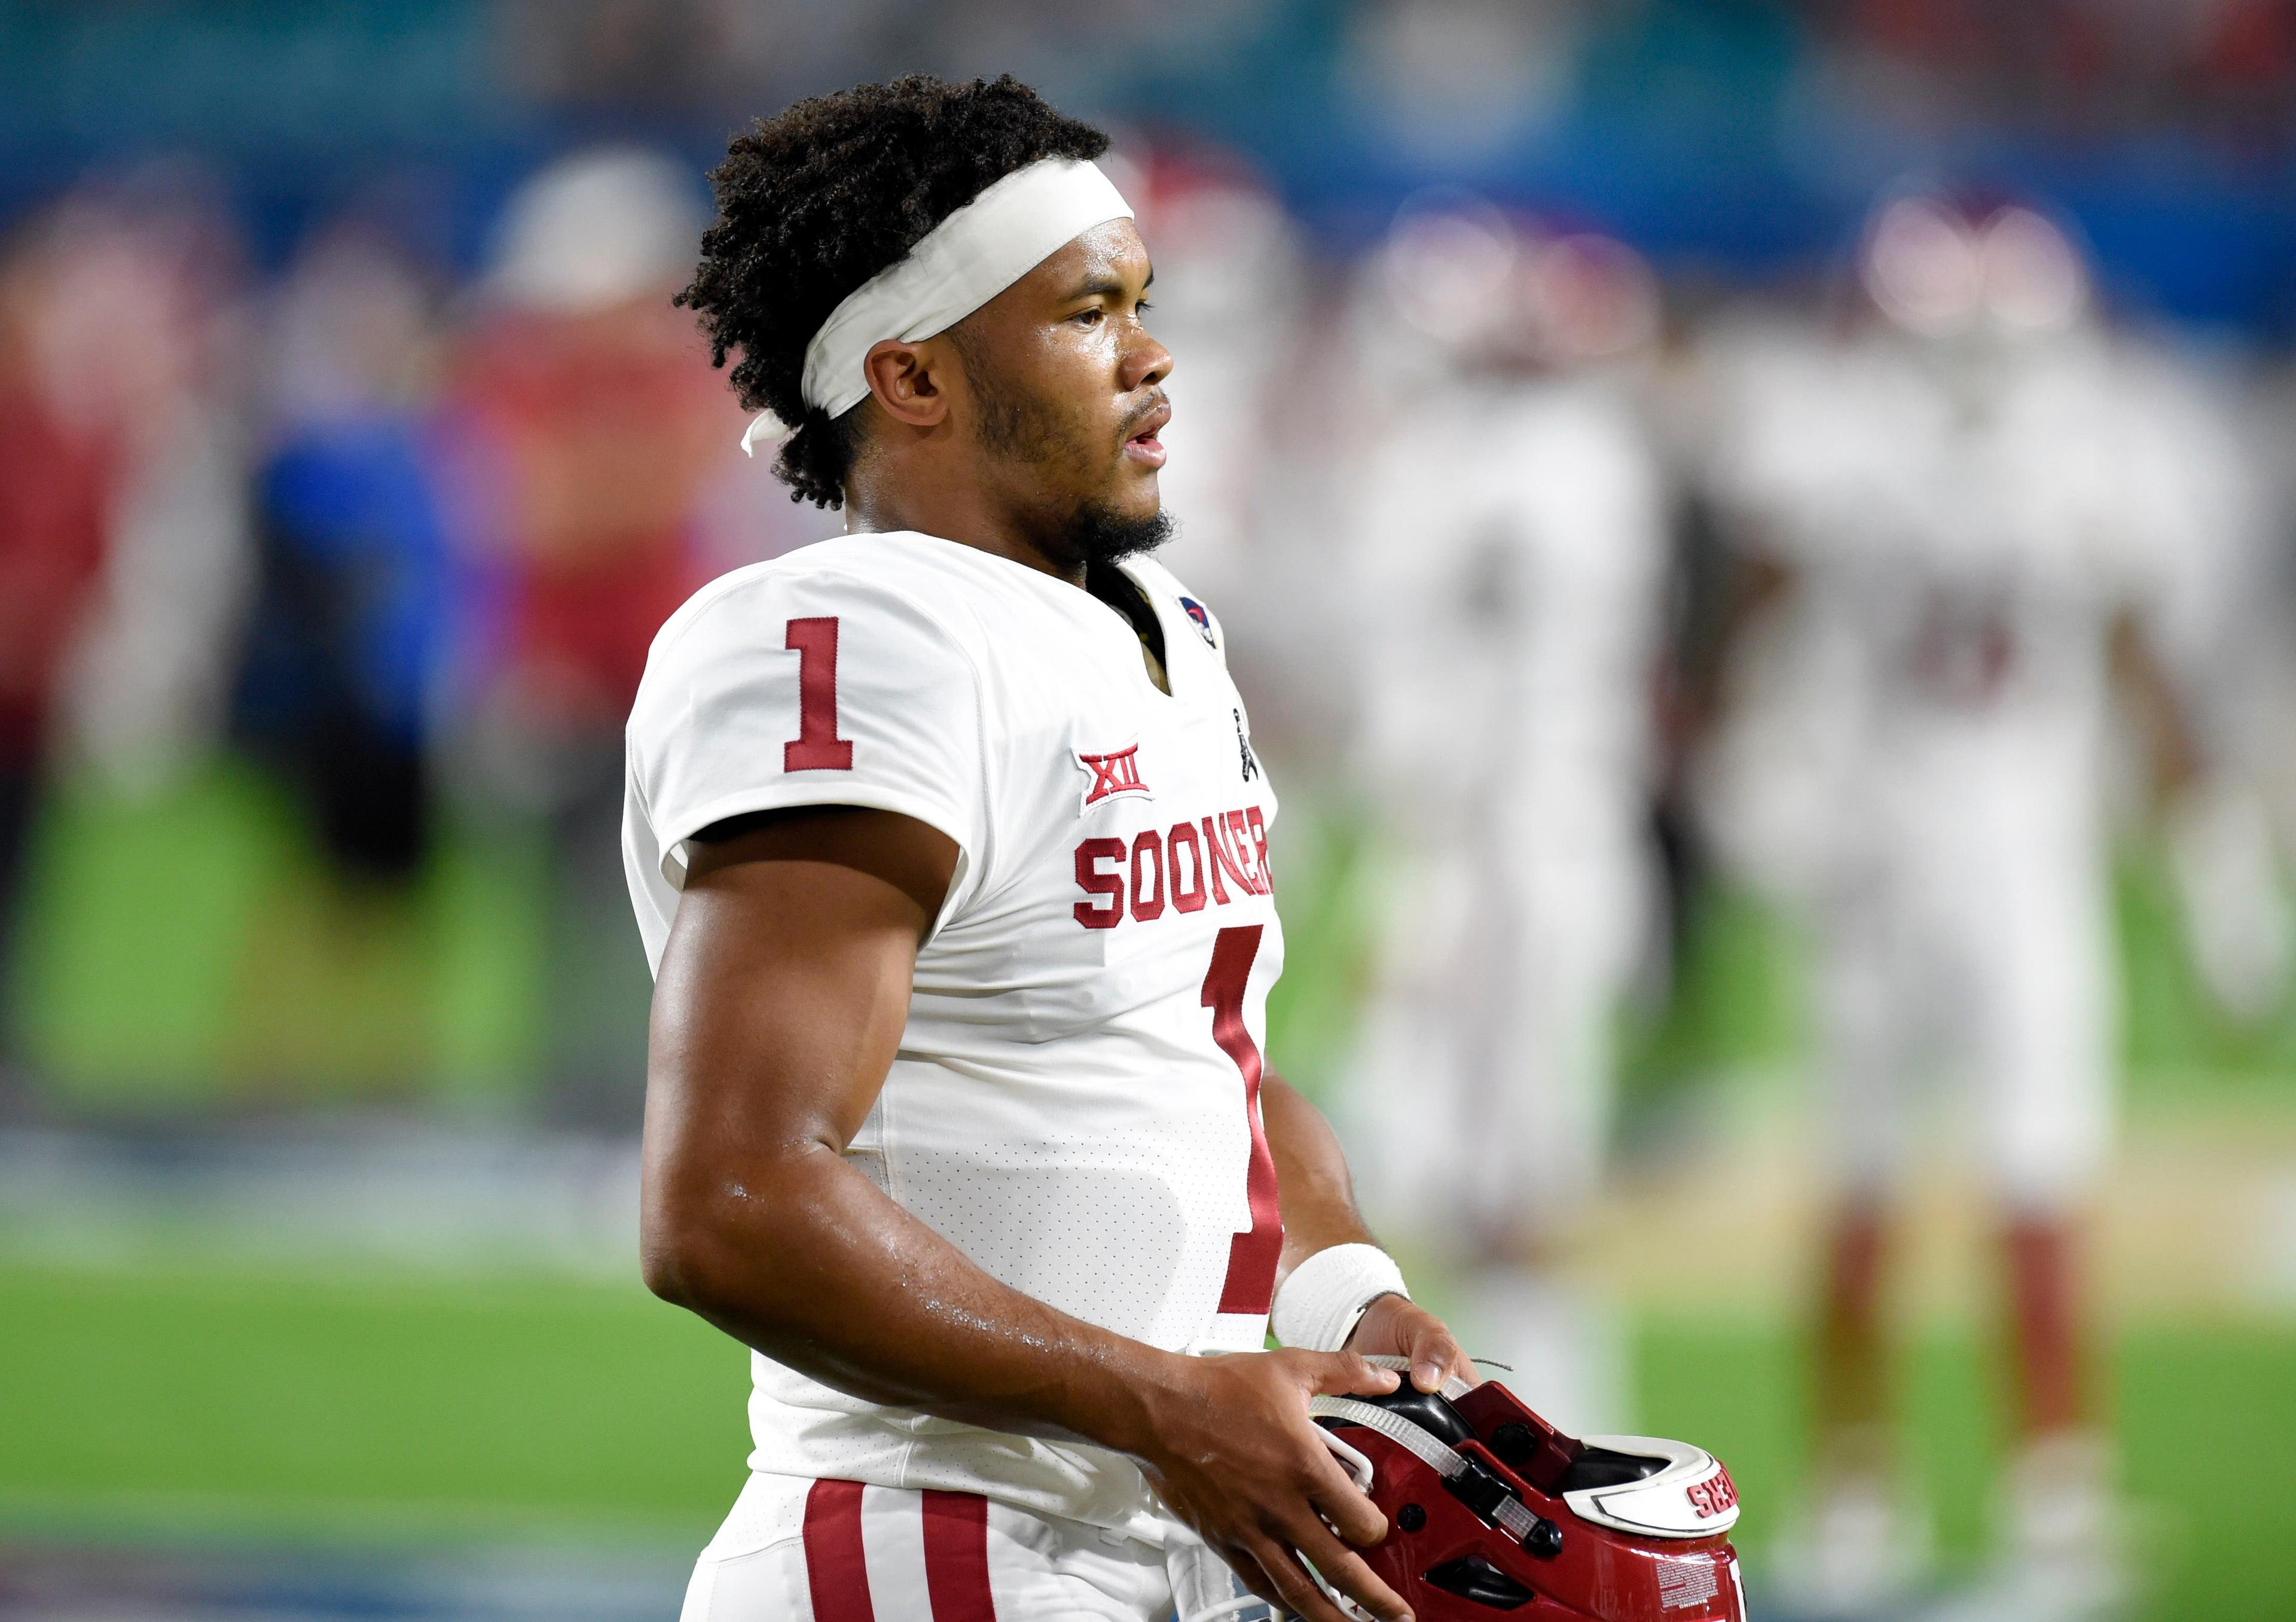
x=958, y=266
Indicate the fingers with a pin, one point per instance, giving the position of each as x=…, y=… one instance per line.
x=1345, y=1571
x=1396, y=1324
x=1342, y=1567
x=1435, y=1355
x=1338, y=1500
x=1347, y=1374
x=1283, y=1579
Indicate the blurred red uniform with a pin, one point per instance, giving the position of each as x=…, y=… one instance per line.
x=593, y=422
x=598, y=431
x=55, y=502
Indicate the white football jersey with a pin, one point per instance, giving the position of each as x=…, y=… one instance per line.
x=1076, y=1101
x=1509, y=574
x=1967, y=528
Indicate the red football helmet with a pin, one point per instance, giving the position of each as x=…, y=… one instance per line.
x=1491, y=1511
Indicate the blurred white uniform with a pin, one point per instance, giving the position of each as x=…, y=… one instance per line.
x=1507, y=571
x=1224, y=253
x=1922, y=757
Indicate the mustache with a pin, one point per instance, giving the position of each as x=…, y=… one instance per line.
x=1158, y=401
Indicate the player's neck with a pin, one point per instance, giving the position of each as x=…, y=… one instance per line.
x=962, y=511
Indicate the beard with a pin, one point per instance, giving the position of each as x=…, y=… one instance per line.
x=1018, y=426
x=1097, y=533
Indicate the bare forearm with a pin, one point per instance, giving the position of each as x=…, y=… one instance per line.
x=831, y=1278
x=771, y=1034
x=1319, y=1198
x=779, y=1009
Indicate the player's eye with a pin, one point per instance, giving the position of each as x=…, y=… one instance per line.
x=1143, y=308
x=1090, y=317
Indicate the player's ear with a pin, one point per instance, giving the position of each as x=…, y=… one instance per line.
x=905, y=378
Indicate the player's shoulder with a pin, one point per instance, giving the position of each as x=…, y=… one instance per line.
x=881, y=577
x=886, y=622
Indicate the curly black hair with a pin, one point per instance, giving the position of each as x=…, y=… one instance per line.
x=816, y=200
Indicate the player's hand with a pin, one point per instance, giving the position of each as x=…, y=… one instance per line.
x=1392, y=1326
x=1233, y=1453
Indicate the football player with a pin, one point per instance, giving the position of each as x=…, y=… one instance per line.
x=950, y=849
x=1965, y=533
x=1509, y=575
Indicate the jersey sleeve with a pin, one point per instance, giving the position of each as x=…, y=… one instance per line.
x=809, y=690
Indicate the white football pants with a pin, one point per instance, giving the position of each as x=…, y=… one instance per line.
x=795, y=1550
x=1994, y=954
x=1482, y=1097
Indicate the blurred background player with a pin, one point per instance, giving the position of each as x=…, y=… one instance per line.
x=350, y=634
x=1231, y=249
x=124, y=534
x=594, y=432
x=1969, y=516
x=1508, y=567
x=54, y=514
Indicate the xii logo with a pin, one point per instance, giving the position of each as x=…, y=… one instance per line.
x=1117, y=773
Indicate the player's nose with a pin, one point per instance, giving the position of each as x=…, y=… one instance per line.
x=1146, y=362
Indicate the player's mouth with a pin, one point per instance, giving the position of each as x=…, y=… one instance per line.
x=1143, y=445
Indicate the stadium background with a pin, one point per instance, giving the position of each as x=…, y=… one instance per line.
x=316, y=1294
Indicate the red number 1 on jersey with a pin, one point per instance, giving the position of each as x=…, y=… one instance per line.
x=817, y=747
x=1252, y=1254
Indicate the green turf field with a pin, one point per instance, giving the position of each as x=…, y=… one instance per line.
x=215, y=1397
x=183, y=949
x=190, y=1400
x=183, y=953
x=2197, y=1407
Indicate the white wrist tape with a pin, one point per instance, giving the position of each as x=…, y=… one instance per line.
x=1324, y=1299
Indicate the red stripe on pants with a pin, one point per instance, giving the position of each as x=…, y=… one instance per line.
x=957, y=1557
x=836, y=1567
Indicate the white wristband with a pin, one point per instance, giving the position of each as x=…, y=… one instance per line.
x=1326, y=1294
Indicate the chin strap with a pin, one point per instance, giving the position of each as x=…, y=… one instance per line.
x=1468, y=1480
x=1453, y=1388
